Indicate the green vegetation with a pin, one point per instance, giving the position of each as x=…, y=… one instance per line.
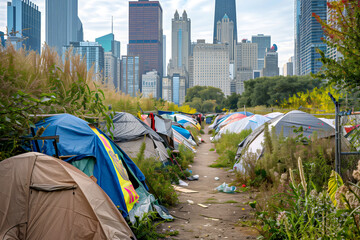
x=271, y=91
x=145, y=228
x=342, y=30
x=227, y=147
x=300, y=211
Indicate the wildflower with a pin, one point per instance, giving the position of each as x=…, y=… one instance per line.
x=281, y=217
x=243, y=185
x=283, y=178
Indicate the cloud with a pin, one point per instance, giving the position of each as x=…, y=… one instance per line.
x=273, y=18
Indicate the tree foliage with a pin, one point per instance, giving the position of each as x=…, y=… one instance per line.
x=271, y=91
x=204, y=93
x=343, y=34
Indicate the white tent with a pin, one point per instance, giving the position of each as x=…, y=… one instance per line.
x=252, y=122
x=291, y=121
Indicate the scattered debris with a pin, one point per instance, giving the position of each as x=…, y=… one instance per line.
x=226, y=188
x=183, y=190
x=182, y=183
x=217, y=179
x=202, y=205
x=190, y=201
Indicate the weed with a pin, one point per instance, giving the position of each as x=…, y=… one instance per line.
x=212, y=150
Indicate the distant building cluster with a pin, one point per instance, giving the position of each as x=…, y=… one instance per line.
x=226, y=63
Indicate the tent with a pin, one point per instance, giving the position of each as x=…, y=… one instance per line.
x=180, y=117
x=252, y=122
x=222, y=118
x=286, y=124
x=232, y=118
x=274, y=115
x=113, y=170
x=180, y=139
x=130, y=132
x=46, y=198
x=161, y=126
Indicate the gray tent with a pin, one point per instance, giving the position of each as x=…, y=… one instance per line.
x=130, y=132
x=287, y=123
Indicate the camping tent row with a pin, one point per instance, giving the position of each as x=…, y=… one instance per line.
x=285, y=124
x=96, y=154
x=237, y=122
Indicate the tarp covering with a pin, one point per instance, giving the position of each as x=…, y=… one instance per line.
x=115, y=172
x=46, y=198
x=128, y=127
x=182, y=131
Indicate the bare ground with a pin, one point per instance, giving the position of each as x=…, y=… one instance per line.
x=223, y=217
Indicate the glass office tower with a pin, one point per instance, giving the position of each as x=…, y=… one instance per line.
x=223, y=7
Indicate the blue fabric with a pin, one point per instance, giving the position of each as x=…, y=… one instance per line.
x=165, y=112
x=182, y=131
x=77, y=138
x=183, y=121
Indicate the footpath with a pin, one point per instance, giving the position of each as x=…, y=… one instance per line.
x=219, y=215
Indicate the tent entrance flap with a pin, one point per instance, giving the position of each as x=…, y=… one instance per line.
x=51, y=187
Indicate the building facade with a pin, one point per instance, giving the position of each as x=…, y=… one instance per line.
x=263, y=42
x=62, y=24
x=146, y=35
x=310, y=32
x=211, y=66
x=225, y=34
x=24, y=25
x=297, y=15
x=223, y=7
x=130, y=75
x=93, y=52
x=271, y=66
x=2, y=39
x=167, y=89
x=288, y=69
x=109, y=44
x=150, y=81
x=110, y=71
x=246, y=61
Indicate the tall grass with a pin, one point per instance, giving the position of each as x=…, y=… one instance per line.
x=227, y=147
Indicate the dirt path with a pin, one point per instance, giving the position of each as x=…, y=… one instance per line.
x=224, y=211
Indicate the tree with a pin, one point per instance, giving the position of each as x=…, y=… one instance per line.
x=271, y=91
x=205, y=93
x=231, y=101
x=343, y=33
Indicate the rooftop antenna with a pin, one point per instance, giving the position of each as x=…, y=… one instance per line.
x=112, y=24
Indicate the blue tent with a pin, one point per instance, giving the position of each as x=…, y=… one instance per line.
x=114, y=171
x=182, y=131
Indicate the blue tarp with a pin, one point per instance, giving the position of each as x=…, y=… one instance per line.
x=77, y=138
x=182, y=131
x=165, y=112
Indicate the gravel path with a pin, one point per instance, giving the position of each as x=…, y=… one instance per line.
x=223, y=212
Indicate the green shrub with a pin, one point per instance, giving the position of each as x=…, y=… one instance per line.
x=158, y=177
x=227, y=147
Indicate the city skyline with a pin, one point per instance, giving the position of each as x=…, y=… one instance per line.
x=260, y=17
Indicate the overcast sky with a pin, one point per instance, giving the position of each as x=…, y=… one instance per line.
x=273, y=18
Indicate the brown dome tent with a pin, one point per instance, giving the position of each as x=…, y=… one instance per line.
x=42, y=197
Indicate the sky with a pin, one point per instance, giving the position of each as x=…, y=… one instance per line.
x=274, y=18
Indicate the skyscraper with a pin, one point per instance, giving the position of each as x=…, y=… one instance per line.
x=62, y=24
x=149, y=83
x=109, y=44
x=212, y=65
x=263, y=43
x=164, y=55
x=310, y=32
x=93, y=52
x=225, y=33
x=297, y=15
x=146, y=35
x=223, y=7
x=2, y=39
x=24, y=24
x=130, y=75
x=271, y=68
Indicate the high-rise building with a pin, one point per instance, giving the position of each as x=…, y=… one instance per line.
x=149, y=84
x=62, y=24
x=180, y=52
x=225, y=33
x=24, y=24
x=167, y=89
x=246, y=61
x=311, y=35
x=331, y=52
x=297, y=14
x=263, y=43
x=271, y=68
x=288, y=69
x=130, y=75
x=164, y=55
x=211, y=66
x=110, y=70
x=2, y=39
x=112, y=54
x=109, y=44
x=223, y=7
x=146, y=35
x=93, y=52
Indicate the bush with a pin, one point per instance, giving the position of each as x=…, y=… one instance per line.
x=159, y=177
x=227, y=147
